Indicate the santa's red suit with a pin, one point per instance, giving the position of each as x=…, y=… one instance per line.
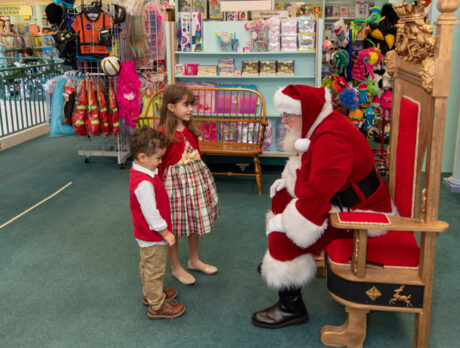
x=333, y=157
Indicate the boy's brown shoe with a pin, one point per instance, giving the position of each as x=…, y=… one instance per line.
x=170, y=294
x=167, y=311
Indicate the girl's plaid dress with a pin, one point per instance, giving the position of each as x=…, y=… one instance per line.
x=192, y=194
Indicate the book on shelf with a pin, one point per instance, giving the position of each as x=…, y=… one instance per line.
x=361, y=9
x=328, y=11
x=335, y=11
x=344, y=11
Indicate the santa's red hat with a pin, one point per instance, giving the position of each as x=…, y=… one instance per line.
x=313, y=104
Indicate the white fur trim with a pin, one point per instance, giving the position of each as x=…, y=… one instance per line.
x=325, y=111
x=283, y=103
x=300, y=230
x=302, y=145
x=284, y=274
x=268, y=216
x=289, y=173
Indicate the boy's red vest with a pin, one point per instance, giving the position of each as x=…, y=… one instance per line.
x=142, y=230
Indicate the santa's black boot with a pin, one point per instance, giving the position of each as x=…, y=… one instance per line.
x=290, y=310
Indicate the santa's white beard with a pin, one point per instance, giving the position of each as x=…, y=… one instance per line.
x=292, y=134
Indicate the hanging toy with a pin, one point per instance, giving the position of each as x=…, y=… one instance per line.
x=375, y=14
x=93, y=112
x=369, y=118
x=367, y=59
x=79, y=116
x=340, y=61
x=340, y=36
x=348, y=98
x=356, y=117
x=385, y=103
x=113, y=119
x=105, y=126
x=128, y=93
x=362, y=94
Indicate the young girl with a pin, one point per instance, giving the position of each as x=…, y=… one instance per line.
x=188, y=181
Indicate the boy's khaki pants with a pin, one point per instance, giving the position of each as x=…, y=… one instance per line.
x=152, y=267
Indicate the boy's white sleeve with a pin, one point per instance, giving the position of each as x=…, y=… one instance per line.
x=146, y=197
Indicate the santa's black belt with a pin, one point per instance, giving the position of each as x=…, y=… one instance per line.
x=348, y=198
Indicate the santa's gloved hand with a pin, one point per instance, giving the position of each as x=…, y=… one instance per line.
x=278, y=185
x=275, y=224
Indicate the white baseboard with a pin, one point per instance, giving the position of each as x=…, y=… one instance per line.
x=23, y=136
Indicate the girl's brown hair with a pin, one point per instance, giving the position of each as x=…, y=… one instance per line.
x=172, y=95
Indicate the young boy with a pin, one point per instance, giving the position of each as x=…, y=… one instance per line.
x=151, y=215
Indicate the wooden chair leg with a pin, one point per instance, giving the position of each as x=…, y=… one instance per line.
x=351, y=334
x=258, y=170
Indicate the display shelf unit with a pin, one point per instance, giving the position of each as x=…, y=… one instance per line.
x=306, y=64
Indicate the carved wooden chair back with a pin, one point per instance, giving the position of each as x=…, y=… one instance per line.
x=421, y=66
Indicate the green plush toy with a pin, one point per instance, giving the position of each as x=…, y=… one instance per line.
x=340, y=61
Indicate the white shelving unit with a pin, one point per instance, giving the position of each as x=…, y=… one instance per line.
x=307, y=65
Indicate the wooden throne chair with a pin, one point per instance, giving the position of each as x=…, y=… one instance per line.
x=394, y=272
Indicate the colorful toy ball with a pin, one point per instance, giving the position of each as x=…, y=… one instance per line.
x=110, y=66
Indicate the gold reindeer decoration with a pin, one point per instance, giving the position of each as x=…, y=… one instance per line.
x=402, y=298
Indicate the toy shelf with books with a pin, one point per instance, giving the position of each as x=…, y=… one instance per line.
x=306, y=68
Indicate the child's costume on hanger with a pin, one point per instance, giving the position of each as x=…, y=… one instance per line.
x=87, y=26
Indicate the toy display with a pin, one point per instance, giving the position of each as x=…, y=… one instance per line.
x=273, y=33
x=268, y=68
x=197, y=24
x=306, y=42
x=285, y=68
x=184, y=22
x=258, y=36
x=250, y=68
x=225, y=41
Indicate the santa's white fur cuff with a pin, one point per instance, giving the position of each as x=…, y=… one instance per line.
x=288, y=274
x=300, y=230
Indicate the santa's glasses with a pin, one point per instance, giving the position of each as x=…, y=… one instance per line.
x=288, y=117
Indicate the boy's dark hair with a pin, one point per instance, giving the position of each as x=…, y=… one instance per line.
x=146, y=140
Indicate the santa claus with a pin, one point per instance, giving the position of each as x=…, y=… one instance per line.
x=333, y=170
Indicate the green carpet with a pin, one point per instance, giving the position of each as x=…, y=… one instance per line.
x=69, y=268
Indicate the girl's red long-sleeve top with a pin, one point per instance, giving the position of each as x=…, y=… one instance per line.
x=175, y=150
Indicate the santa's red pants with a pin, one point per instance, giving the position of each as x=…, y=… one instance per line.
x=282, y=248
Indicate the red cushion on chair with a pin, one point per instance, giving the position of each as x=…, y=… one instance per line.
x=396, y=249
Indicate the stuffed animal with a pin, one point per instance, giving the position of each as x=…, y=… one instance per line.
x=381, y=34
x=385, y=103
x=367, y=59
x=356, y=117
x=340, y=33
x=340, y=61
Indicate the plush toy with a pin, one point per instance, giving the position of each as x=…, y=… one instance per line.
x=128, y=93
x=375, y=15
x=327, y=45
x=381, y=35
x=362, y=93
x=326, y=82
x=356, y=117
x=369, y=117
x=385, y=103
x=340, y=61
x=348, y=98
x=340, y=33
x=367, y=59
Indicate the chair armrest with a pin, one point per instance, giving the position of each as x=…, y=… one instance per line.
x=397, y=223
